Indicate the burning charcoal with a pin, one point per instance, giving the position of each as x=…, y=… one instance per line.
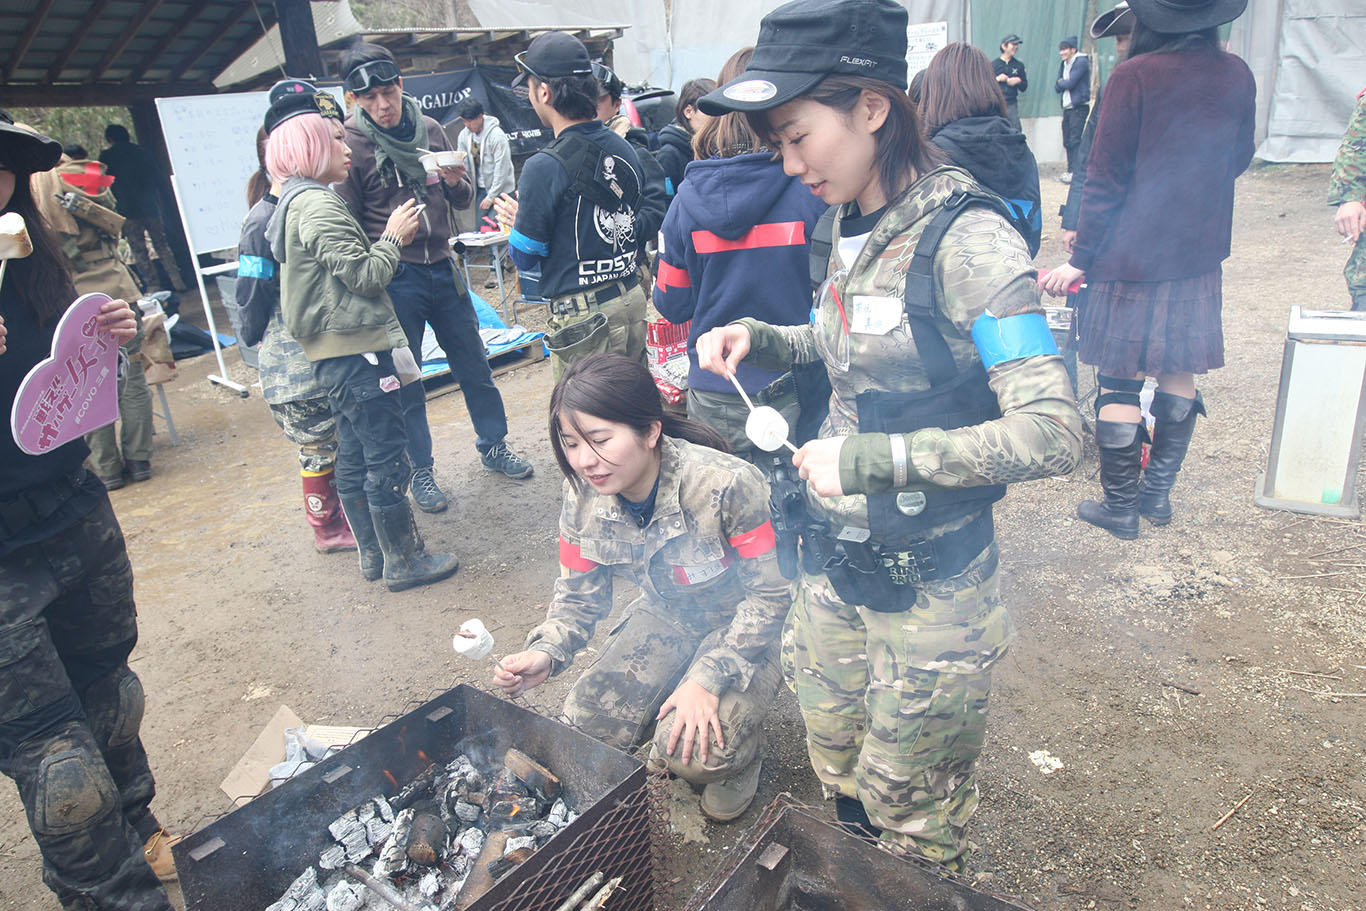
x=365, y=812
x=346, y=897
x=460, y=765
x=543, y=830
x=508, y=783
x=415, y=790
x=377, y=830
x=386, y=812
x=459, y=865
x=303, y=894
x=427, y=838
x=518, y=842
x=332, y=858
x=430, y=884
x=532, y=774
x=344, y=825
x=466, y=812
x=559, y=814
x=523, y=809
x=393, y=855
x=471, y=842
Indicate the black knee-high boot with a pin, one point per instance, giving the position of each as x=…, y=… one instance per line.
x=1121, y=458
x=1174, y=419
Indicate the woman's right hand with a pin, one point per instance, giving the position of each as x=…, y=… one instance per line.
x=403, y=222
x=518, y=673
x=721, y=350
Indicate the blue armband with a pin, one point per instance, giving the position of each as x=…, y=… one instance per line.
x=255, y=267
x=530, y=246
x=1009, y=339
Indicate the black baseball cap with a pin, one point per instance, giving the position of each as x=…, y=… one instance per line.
x=1011, y=39
x=802, y=42
x=292, y=97
x=552, y=56
x=24, y=150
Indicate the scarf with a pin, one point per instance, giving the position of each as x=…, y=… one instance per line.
x=400, y=154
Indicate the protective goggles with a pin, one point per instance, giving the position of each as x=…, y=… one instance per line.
x=368, y=75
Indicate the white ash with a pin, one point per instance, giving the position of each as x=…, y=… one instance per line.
x=377, y=830
x=304, y=894
x=346, y=896
x=393, y=853
x=517, y=842
x=334, y=858
x=543, y=830
x=471, y=842
x=559, y=814
x=430, y=884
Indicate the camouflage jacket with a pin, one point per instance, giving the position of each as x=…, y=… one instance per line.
x=981, y=264
x=89, y=230
x=1348, y=183
x=707, y=560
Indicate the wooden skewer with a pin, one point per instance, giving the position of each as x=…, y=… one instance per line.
x=1236, y=807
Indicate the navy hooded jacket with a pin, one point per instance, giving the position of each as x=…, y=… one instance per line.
x=998, y=157
x=736, y=242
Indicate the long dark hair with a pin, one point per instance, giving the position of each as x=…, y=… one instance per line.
x=42, y=280
x=615, y=388
x=903, y=152
x=258, y=184
x=1144, y=40
x=730, y=134
x=959, y=82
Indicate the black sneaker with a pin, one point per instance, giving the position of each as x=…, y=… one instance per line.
x=500, y=458
x=426, y=494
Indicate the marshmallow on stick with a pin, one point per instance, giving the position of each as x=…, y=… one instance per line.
x=14, y=240
x=474, y=641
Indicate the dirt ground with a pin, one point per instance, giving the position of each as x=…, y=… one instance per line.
x=1214, y=664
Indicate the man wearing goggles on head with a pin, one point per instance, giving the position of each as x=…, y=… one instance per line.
x=387, y=135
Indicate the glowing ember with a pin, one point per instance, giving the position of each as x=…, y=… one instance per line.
x=392, y=780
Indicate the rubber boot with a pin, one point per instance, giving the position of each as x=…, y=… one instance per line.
x=357, y=512
x=405, y=563
x=322, y=509
x=1121, y=457
x=1174, y=419
x=852, y=815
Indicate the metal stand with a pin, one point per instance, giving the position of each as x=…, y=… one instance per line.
x=165, y=414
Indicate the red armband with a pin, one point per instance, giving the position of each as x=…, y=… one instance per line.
x=667, y=276
x=755, y=543
x=572, y=558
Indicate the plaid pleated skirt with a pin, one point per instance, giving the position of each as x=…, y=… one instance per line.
x=1128, y=328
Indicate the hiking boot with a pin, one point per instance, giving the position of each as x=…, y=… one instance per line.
x=406, y=565
x=357, y=512
x=138, y=469
x=157, y=850
x=426, y=494
x=728, y=799
x=113, y=483
x=500, y=458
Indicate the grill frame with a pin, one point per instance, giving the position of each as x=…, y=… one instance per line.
x=244, y=860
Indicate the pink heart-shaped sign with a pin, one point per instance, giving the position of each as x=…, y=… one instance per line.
x=74, y=391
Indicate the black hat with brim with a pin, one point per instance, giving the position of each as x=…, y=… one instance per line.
x=553, y=55
x=1011, y=39
x=802, y=42
x=1117, y=21
x=1175, y=17
x=291, y=97
x=23, y=150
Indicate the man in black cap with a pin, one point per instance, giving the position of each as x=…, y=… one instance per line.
x=573, y=224
x=1074, y=85
x=387, y=135
x=1010, y=73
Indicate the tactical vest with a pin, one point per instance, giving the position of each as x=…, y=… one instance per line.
x=585, y=163
x=956, y=398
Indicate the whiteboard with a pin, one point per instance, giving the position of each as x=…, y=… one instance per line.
x=211, y=140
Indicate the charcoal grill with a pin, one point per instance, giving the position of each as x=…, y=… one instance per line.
x=246, y=859
x=792, y=860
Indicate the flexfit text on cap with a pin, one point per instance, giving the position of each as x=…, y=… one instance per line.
x=802, y=42
x=292, y=97
x=553, y=55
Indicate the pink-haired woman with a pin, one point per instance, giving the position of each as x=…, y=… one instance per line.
x=333, y=300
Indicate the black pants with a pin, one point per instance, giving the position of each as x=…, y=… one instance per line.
x=371, y=461
x=1073, y=122
x=70, y=712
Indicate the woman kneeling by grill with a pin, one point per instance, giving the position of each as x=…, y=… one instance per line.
x=656, y=500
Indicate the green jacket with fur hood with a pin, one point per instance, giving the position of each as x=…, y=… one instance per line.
x=332, y=279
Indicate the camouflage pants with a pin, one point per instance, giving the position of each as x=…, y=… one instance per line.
x=726, y=413
x=1355, y=273
x=135, y=419
x=621, y=329
x=310, y=425
x=901, y=728
x=643, y=661
x=139, y=232
x=70, y=711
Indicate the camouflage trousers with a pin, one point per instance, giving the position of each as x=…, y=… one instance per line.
x=135, y=418
x=895, y=705
x=646, y=656
x=139, y=232
x=726, y=413
x=618, y=326
x=310, y=425
x=1355, y=273
x=70, y=712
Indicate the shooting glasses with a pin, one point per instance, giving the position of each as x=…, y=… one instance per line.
x=368, y=75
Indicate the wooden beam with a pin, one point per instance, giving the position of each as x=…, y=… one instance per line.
x=35, y=23
x=215, y=35
x=299, y=38
x=121, y=43
x=92, y=16
x=103, y=93
x=155, y=55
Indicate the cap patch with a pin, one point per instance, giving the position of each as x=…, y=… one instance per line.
x=751, y=91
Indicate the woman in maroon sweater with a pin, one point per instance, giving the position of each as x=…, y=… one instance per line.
x=1175, y=130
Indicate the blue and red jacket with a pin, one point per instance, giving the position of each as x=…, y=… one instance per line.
x=735, y=244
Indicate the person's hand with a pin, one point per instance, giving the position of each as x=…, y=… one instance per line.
x=485, y=203
x=1069, y=241
x=696, y=721
x=818, y=463
x=403, y=222
x=1000, y=77
x=1351, y=220
x=452, y=175
x=721, y=350
x=2, y=335
x=117, y=318
x=518, y=673
x=1060, y=279
x=1014, y=80
x=505, y=208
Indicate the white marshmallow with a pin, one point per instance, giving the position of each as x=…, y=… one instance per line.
x=480, y=646
x=766, y=428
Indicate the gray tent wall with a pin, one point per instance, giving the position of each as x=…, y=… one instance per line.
x=1307, y=57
